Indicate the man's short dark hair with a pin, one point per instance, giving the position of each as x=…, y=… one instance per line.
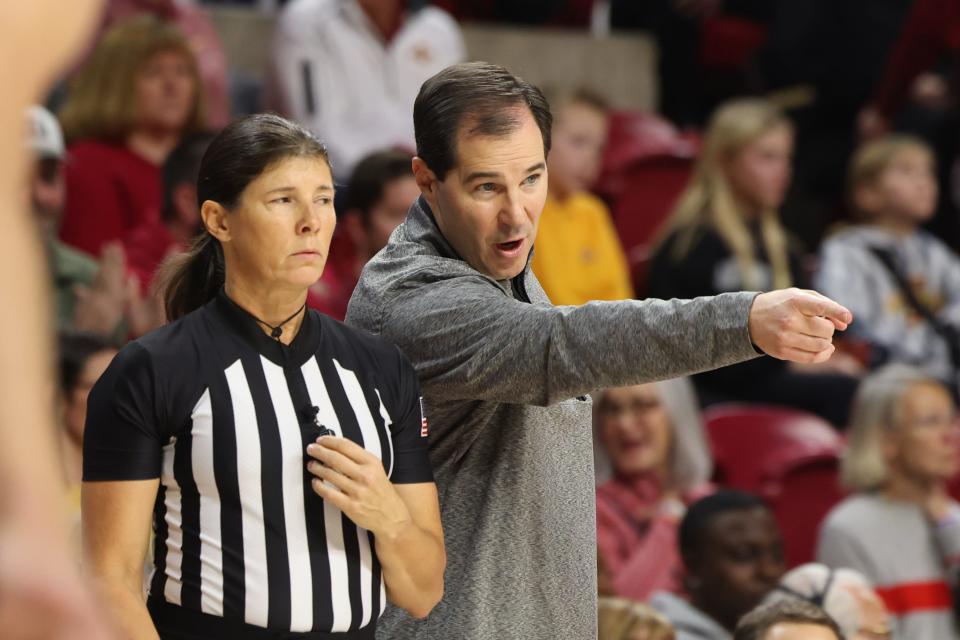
x=703, y=512
x=480, y=94
x=182, y=166
x=756, y=624
x=370, y=179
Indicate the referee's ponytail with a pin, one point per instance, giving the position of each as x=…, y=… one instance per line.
x=192, y=279
x=234, y=159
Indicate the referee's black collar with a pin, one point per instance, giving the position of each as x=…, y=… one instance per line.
x=304, y=344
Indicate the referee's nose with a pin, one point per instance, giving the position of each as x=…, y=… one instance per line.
x=311, y=218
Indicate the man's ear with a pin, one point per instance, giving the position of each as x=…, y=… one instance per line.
x=426, y=180
x=215, y=220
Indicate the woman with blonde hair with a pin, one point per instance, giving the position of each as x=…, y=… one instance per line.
x=129, y=106
x=900, y=528
x=650, y=443
x=725, y=235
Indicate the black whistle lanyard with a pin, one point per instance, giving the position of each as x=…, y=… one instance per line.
x=309, y=416
x=313, y=422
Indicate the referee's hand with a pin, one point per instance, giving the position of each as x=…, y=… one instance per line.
x=353, y=480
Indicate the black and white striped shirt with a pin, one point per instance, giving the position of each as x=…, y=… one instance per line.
x=222, y=414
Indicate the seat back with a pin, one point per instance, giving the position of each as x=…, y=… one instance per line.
x=752, y=443
x=646, y=166
x=801, y=497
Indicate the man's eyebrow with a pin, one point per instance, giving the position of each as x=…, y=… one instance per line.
x=477, y=175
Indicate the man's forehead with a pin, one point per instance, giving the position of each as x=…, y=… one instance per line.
x=516, y=149
x=499, y=155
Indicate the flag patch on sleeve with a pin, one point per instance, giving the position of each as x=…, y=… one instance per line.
x=424, y=427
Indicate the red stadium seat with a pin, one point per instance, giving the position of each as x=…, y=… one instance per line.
x=651, y=189
x=752, y=442
x=641, y=135
x=788, y=457
x=953, y=488
x=646, y=166
x=729, y=42
x=801, y=499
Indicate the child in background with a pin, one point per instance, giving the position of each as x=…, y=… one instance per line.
x=901, y=283
x=578, y=257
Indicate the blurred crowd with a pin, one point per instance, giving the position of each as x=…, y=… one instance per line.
x=797, y=144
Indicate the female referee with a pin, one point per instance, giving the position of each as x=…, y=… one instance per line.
x=280, y=455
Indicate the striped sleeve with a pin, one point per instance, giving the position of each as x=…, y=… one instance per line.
x=122, y=440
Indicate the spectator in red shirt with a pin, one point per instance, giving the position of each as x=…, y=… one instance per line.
x=379, y=194
x=194, y=22
x=179, y=220
x=653, y=438
x=128, y=108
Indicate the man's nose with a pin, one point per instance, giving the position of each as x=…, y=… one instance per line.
x=513, y=214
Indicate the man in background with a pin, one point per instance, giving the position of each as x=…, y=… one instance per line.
x=88, y=295
x=349, y=70
x=378, y=197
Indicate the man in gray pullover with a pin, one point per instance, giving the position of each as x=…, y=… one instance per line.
x=505, y=374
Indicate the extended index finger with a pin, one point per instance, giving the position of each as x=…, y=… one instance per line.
x=817, y=304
